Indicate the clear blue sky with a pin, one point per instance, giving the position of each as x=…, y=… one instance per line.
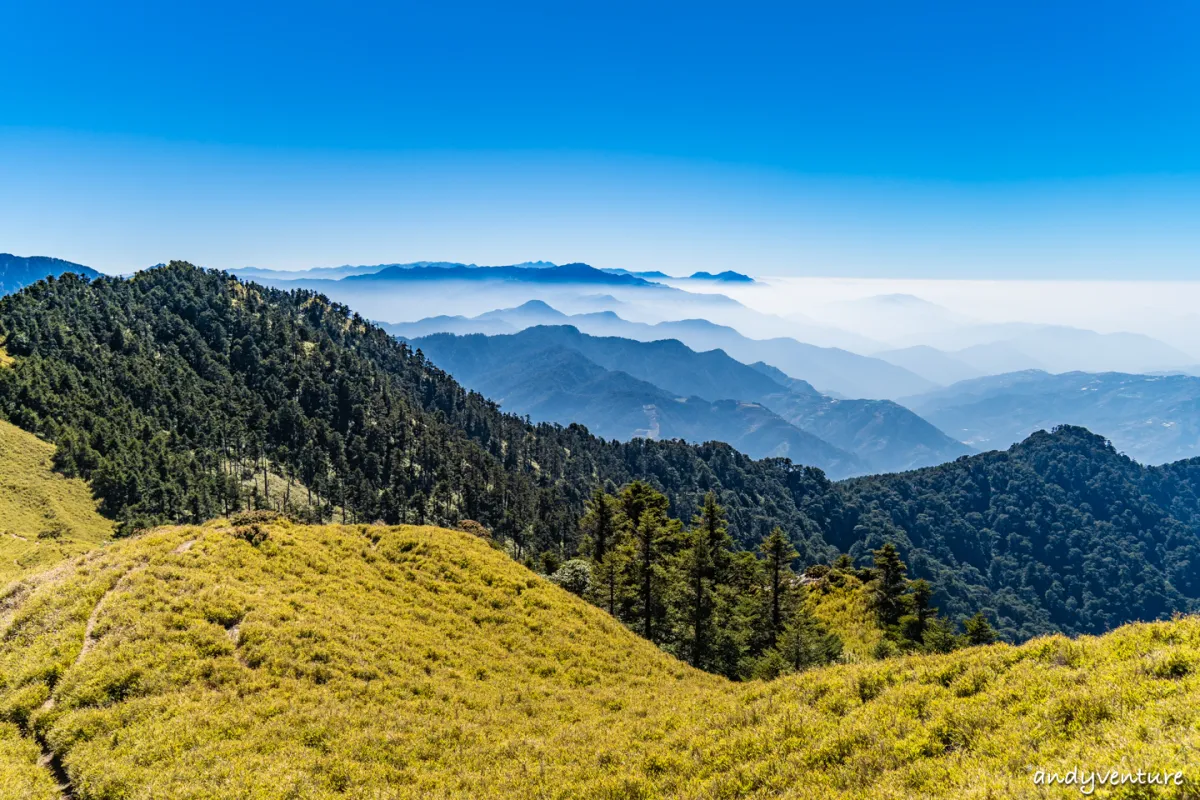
x=904, y=139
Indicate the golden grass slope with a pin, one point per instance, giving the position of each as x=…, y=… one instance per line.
x=44, y=517
x=372, y=662
x=845, y=608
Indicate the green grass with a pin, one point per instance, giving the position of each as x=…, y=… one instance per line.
x=372, y=662
x=44, y=517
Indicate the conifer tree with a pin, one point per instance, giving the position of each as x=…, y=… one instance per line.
x=599, y=524
x=646, y=514
x=915, y=624
x=704, y=560
x=607, y=576
x=979, y=630
x=889, y=585
x=778, y=552
x=806, y=642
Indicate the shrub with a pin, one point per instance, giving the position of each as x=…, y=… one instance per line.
x=884, y=648
x=1169, y=666
x=254, y=534
x=769, y=666
x=575, y=576
x=55, y=529
x=474, y=528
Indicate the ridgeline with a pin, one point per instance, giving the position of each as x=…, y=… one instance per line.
x=183, y=395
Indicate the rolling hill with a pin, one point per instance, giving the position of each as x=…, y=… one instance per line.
x=274, y=660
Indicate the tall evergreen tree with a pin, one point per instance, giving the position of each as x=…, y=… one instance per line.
x=705, y=558
x=889, y=585
x=778, y=553
x=806, y=642
x=646, y=513
x=599, y=524
x=979, y=630
x=608, y=574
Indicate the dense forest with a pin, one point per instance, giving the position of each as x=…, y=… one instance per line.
x=183, y=394
x=169, y=389
x=1060, y=532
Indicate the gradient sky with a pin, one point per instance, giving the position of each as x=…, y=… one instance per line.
x=915, y=140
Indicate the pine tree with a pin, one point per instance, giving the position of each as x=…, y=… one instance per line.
x=778, y=552
x=940, y=637
x=979, y=630
x=646, y=514
x=806, y=642
x=915, y=624
x=599, y=524
x=889, y=585
x=705, y=559
x=607, y=575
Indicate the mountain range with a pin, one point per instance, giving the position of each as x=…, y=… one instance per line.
x=624, y=388
x=830, y=369
x=17, y=272
x=539, y=373
x=1152, y=418
x=167, y=391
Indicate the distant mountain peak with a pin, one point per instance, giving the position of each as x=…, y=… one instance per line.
x=728, y=276
x=537, y=305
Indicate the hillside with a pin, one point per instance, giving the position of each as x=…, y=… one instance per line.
x=414, y=662
x=183, y=395
x=169, y=389
x=17, y=272
x=44, y=517
x=1060, y=532
x=1152, y=418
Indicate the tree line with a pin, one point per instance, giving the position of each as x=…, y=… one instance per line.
x=740, y=613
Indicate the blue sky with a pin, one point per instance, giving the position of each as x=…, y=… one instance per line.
x=866, y=139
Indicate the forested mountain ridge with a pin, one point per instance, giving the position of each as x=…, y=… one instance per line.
x=168, y=388
x=1058, y=532
x=17, y=272
x=175, y=390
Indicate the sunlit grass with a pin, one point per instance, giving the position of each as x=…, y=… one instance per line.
x=844, y=606
x=378, y=662
x=44, y=517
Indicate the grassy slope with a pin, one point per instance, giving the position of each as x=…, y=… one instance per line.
x=845, y=608
x=414, y=662
x=35, y=501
